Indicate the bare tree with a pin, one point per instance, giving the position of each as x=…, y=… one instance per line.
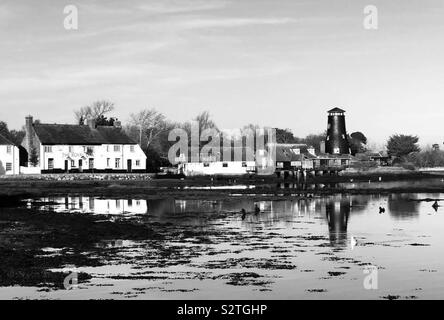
x=150, y=122
x=94, y=110
x=205, y=122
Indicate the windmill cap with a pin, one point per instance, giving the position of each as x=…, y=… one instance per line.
x=336, y=110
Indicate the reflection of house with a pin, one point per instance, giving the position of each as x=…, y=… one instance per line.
x=229, y=161
x=82, y=148
x=9, y=157
x=97, y=206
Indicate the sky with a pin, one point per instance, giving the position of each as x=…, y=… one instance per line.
x=280, y=63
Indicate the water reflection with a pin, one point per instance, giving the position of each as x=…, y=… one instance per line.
x=403, y=206
x=333, y=210
x=90, y=205
x=337, y=214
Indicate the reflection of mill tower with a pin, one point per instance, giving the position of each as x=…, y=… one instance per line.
x=337, y=213
x=336, y=141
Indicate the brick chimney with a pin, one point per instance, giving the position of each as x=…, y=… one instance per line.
x=91, y=123
x=28, y=141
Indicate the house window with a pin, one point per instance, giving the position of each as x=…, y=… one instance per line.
x=132, y=148
x=8, y=166
x=89, y=150
x=48, y=149
x=225, y=165
x=117, y=164
x=73, y=163
x=9, y=149
x=70, y=149
x=336, y=150
x=91, y=163
x=244, y=164
x=108, y=162
x=280, y=164
x=116, y=148
x=137, y=163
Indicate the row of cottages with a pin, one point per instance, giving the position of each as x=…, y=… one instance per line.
x=293, y=157
x=228, y=161
x=9, y=157
x=53, y=148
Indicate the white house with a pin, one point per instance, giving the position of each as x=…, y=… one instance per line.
x=217, y=165
x=9, y=157
x=81, y=148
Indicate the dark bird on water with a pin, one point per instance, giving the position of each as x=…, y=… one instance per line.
x=257, y=210
x=435, y=206
x=381, y=210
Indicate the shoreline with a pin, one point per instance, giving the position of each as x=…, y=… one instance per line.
x=216, y=187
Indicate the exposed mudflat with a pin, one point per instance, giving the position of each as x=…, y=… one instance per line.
x=302, y=247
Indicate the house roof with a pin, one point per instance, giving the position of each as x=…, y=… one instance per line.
x=219, y=156
x=336, y=110
x=285, y=152
x=4, y=141
x=67, y=134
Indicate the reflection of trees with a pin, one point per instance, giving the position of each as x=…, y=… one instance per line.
x=401, y=207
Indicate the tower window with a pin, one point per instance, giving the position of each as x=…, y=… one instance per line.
x=336, y=150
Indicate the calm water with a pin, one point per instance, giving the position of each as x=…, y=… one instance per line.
x=294, y=249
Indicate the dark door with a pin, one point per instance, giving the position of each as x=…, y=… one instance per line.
x=130, y=165
x=66, y=166
x=80, y=165
x=50, y=164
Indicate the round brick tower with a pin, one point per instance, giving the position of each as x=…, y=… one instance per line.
x=336, y=141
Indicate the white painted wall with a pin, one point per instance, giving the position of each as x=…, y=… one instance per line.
x=217, y=168
x=12, y=157
x=104, y=157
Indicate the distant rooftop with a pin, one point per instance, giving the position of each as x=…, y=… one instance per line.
x=4, y=141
